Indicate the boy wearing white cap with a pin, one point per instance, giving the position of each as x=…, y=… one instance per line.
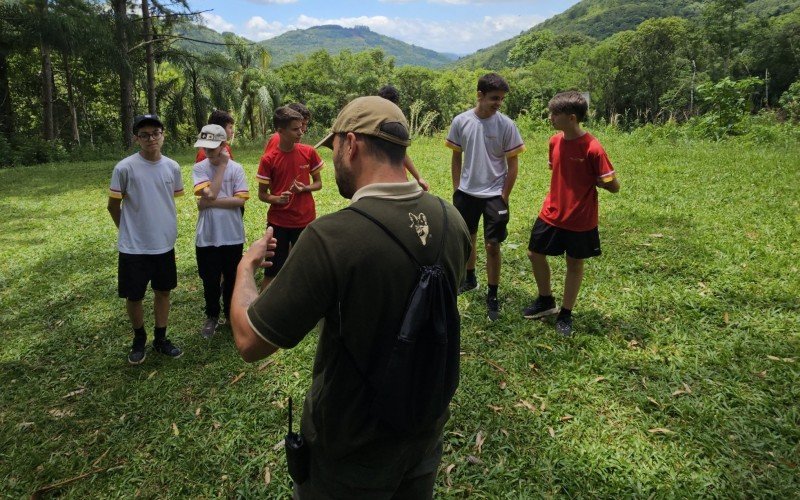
x=221, y=190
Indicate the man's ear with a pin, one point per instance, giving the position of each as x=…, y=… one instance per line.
x=351, y=142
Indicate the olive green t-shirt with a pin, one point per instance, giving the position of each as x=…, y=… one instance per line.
x=346, y=270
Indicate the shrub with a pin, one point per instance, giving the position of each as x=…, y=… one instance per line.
x=790, y=102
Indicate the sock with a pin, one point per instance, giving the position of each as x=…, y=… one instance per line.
x=493, y=291
x=140, y=332
x=565, y=312
x=471, y=276
x=160, y=332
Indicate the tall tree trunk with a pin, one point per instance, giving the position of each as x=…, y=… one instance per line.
x=125, y=71
x=6, y=105
x=47, y=77
x=147, y=31
x=73, y=112
x=197, y=112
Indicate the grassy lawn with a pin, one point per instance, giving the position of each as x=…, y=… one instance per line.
x=683, y=378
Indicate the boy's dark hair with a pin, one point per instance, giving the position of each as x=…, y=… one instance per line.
x=302, y=109
x=220, y=117
x=571, y=103
x=491, y=82
x=284, y=116
x=389, y=93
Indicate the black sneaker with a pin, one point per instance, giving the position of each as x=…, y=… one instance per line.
x=165, y=347
x=492, y=308
x=540, y=308
x=209, y=327
x=467, y=285
x=564, y=325
x=137, y=354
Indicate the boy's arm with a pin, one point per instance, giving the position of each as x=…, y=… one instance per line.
x=265, y=196
x=316, y=185
x=511, y=177
x=611, y=186
x=212, y=191
x=409, y=165
x=455, y=169
x=230, y=202
x=115, y=209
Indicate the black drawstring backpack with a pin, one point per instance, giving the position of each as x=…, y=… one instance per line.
x=412, y=391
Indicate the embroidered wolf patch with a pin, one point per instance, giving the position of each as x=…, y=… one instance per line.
x=420, y=225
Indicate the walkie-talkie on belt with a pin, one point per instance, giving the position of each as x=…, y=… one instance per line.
x=297, y=457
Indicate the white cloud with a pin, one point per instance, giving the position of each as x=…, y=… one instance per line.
x=460, y=37
x=442, y=36
x=216, y=23
x=257, y=28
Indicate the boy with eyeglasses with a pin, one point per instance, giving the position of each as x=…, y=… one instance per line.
x=287, y=175
x=142, y=205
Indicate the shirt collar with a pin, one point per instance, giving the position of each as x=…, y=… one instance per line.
x=389, y=191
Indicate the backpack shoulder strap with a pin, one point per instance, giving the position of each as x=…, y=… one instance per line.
x=397, y=240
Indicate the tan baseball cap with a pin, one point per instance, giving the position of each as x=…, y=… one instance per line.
x=367, y=115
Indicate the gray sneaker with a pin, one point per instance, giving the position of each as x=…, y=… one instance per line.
x=564, y=325
x=165, y=347
x=540, y=308
x=209, y=327
x=137, y=354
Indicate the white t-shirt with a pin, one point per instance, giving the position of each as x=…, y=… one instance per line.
x=220, y=226
x=148, y=221
x=485, y=143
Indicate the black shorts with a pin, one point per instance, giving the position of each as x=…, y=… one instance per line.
x=286, y=236
x=135, y=271
x=495, y=215
x=551, y=240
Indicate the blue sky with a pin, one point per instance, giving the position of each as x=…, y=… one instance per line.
x=456, y=26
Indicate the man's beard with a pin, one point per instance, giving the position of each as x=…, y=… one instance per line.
x=345, y=180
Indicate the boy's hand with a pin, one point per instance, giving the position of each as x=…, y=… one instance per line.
x=284, y=198
x=297, y=187
x=203, y=203
x=261, y=250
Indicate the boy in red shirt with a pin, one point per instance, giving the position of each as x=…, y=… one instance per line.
x=273, y=141
x=286, y=177
x=568, y=219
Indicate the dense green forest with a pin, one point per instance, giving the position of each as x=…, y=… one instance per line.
x=73, y=73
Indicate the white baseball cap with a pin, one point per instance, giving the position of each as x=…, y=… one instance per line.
x=211, y=136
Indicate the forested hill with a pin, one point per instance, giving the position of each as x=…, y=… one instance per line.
x=335, y=39
x=602, y=18
x=332, y=38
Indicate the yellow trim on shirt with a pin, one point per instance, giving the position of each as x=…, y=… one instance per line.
x=516, y=152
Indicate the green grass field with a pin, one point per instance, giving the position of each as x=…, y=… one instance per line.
x=683, y=378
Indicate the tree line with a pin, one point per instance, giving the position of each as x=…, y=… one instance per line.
x=73, y=73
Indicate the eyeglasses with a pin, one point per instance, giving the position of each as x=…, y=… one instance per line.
x=145, y=136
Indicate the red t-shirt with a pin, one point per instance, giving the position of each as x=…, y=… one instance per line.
x=279, y=170
x=577, y=165
x=272, y=143
x=201, y=153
